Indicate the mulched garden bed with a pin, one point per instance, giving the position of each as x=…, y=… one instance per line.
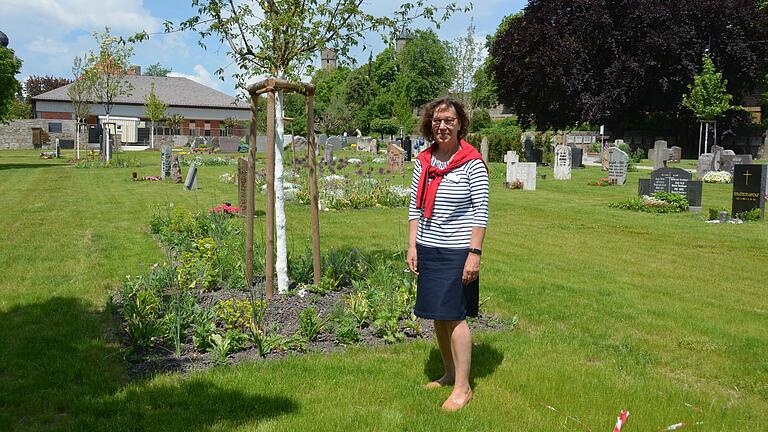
x=282, y=310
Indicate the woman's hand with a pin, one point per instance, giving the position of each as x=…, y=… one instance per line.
x=411, y=260
x=471, y=269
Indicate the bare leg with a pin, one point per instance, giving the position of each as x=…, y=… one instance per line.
x=442, y=332
x=461, y=348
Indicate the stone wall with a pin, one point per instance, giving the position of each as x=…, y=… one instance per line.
x=17, y=134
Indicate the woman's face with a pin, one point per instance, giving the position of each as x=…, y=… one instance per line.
x=445, y=125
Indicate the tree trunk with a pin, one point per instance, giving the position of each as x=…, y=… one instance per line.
x=281, y=264
x=152, y=136
x=77, y=138
x=107, y=149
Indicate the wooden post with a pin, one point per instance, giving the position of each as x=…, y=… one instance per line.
x=313, y=188
x=250, y=198
x=270, y=210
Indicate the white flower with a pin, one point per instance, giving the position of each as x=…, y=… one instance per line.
x=302, y=292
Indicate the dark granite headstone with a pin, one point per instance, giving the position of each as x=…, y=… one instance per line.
x=577, y=155
x=673, y=180
x=528, y=149
x=749, y=187
x=165, y=161
x=408, y=148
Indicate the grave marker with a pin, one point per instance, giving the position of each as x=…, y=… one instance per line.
x=618, y=163
x=484, y=149
x=659, y=154
x=673, y=180
x=677, y=154
x=328, y=157
x=749, y=188
x=562, y=162
x=395, y=159
x=577, y=156
x=511, y=158
x=165, y=161
x=191, y=181
x=526, y=173
x=175, y=169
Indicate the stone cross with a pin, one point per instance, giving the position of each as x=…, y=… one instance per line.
x=511, y=158
x=562, y=162
x=659, y=154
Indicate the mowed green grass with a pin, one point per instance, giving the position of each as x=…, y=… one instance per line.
x=662, y=315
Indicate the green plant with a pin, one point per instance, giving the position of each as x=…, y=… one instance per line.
x=310, y=323
x=660, y=202
x=202, y=330
x=197, y=268
x=358, y=306
x=141, y=312
x=714, y=213
x=749, y=215
x=236, y=313
x=300, y=266
x=346, y=331
x=220, y=348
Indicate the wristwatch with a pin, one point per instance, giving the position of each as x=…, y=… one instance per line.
x=475, y=251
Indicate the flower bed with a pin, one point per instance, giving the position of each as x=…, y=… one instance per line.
x=660, y=202
x=196, y=310
x=207, y=161
x=603, y=182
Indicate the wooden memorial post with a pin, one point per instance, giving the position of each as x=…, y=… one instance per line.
x=270, y=86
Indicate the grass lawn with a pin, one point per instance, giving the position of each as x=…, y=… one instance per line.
x=662, y=315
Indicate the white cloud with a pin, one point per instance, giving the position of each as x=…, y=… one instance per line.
x=67, y=15
x=201, y=76
x=44, y=45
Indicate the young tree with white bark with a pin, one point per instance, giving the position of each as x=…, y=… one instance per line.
x=155, y=110
x=80, y=92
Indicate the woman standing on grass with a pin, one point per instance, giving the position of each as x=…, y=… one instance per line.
x=446, y=225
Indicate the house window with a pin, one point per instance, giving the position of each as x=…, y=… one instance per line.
x=54, y=127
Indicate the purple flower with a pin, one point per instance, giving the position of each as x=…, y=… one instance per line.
x=381, y=171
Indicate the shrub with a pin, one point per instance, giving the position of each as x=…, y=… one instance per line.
x=660, y=202
x=197, y=268
x=749, y=216
x=481, y=119
x=714, y=213
x=310, y=323
x=718, y=177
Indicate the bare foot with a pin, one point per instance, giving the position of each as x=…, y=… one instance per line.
x=443, y=381
x=457, y=400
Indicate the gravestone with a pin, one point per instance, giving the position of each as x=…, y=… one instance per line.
x=677, y=154
x=58, y=148
x=300, y=143
x=715, y=149
x=707, y=162
x=321, y=139
x=335, y=141
x=511, y=158
x=484, y=149
x=526, y=173
x=659, y=154
x=729, y=160
x=191, y=181
x=673, y=180
x=328, y=156
x=408, y=148
x=395, y=159
x=165, y=161
x=562, y=162
x=374, y=146
x=175, y=169
x=749, y=187
x=618, y=162
x=577, y=155
x=242, y=182
x=528, y=149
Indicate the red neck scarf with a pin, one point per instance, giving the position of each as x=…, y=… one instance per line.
x=431, y=176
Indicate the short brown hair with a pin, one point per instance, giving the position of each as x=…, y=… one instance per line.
x=429, y=112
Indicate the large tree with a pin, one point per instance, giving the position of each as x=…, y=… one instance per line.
x=426, y=68
x=157, y=70
x=37, y=85
x=614, y=61
x=10, y=65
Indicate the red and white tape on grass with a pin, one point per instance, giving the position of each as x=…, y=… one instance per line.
x=620, y=421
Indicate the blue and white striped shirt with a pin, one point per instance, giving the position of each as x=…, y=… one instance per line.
x=461, y=203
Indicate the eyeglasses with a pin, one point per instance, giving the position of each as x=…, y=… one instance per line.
x=449, y=121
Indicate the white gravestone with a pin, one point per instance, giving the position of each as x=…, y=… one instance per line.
x=618, y=163
x=526, y=173
x=659, y=154
x=511, y=158
x=562, y=162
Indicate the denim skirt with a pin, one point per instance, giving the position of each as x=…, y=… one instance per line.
x=440, y=294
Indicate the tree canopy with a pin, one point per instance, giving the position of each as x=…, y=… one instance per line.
x=37, y=85
x=708, y=97
x=156, y=70
x=10, y=65
x=612, y=61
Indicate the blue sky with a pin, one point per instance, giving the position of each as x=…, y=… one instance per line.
x=48, y=34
